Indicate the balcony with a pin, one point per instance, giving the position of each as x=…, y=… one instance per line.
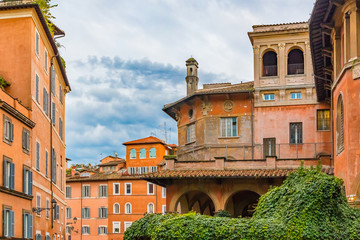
x=295, y=68
x=270, y=70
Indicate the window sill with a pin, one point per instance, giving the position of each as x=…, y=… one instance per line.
x=327, y=130
x=189, y=143
x=234, y=137
x=294, y=144
x=296, y=75
x=269, y=77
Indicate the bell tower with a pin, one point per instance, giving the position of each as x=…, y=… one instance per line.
x=192, y=79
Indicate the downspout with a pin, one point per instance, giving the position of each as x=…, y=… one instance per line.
x=81, y=210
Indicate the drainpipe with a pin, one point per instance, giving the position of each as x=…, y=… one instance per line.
x=81, y=210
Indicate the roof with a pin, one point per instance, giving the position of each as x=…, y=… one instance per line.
x=221, y=89
x=150, y=139
x=162, y=163
x=244, y=173
x=103, y=176
x=112, y=163
x=46, y=29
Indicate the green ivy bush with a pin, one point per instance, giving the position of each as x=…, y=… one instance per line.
x=308, y=205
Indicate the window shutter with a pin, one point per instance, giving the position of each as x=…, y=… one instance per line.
x=98, y=230
x=30, y=225
x=5, y=223
x=24, y=181
x=30, y=183
x=57, y=212
x=82, y=213
x=12, y=223
x=70, y=212
x=82, y=230
x=100, y=195
x=25, y=227
x=5, y=173
x=12, y=132
x=100, y=212
x=106, y=213
x=27, y=141
x=106, y=191
x=12, y=173
x=106, y=230
x=23, y=140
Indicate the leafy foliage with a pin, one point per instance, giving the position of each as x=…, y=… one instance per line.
x=3, y=83
x=46, y=6
x=222, y=213
x=308, y=205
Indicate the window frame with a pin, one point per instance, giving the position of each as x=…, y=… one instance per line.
x=66, y=191
x=105, y=232
x=83, y=227
x=295, y=95
x=27, y=225
x=163, y=190
x=190, y=133
x=101, y=189
x=152, y=152
x=148, y=189
x=132, y=170
x=126, y=225
x=132, y=152
x=148, y=208
x=8, y=130
x=116, y=212
x=142, y=153
x=301, y=133
x=37, y=43
x=125, y=188
x=85, y=213
x=118, y=223
x=103, y=212
x=46, y=59
x=114, y=188
x=163, y=208
x=126, y=210
x=8, y=173
x=269, y=96
x=323, y=120
x=27, y=180
x=68, y=212
x=83, y=195
x=224, y=121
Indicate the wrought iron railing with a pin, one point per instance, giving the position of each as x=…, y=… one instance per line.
x=295, y=68
x=270, y=70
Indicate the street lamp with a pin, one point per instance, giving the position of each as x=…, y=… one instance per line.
x=38, y=210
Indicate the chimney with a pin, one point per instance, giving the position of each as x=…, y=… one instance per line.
x=192, y=79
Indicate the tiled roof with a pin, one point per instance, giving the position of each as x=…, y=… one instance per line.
x=150, y=139
x=103, y=176
x=162, y=163
x=112, y=163
x=245, y=173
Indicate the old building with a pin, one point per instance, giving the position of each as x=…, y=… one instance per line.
x=33, y=115
x=335, y=46
x=106, y=200
x=236, y=140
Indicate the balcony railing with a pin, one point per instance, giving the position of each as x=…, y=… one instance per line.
x=256, y=152
x=295, y=68
x=270, y=70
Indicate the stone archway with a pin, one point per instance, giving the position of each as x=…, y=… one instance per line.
x=242, y=203
x=196, y=201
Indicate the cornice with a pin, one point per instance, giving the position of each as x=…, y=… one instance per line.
x=18, y=115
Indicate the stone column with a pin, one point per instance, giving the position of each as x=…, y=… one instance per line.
x=281, y=64
x=257, y=61
x=354, y=33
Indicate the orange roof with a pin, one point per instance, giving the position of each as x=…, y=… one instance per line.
x=150, y=139
x=172, y=145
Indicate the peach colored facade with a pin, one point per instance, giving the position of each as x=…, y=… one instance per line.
x=128, y=197
x=30, y=53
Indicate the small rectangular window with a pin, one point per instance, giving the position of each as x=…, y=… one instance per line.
x=103, y=191
x=46, y=163
x=153, y=169
x=103, y=213
x=53, y=113
x=37, y=88
x=61, y=94
x=85, y=213
x=47, y=208
x=116, y=227
x=38, y=204
x=27, y=225
x=9, y=174
x=127, y=225
x=27, y=181
x=102, y=230
x=85, y=191
x=296, y=133
x=68, y=191
x=46, y=60
x=269, y=97
x=68, y=213
x=128, y=189
x=37, y=43
x=85, y=230
x=116, y=188
x=323, y=119
x=46, y=102
x=295, y=95
x=8, y=130
x=9, y=223
x=228, y=127
x=190, y=133
x=269, y=147
x=164, y=192
x=163, y=209
x=132, y=170
x=150, y=189
x=61, y=128
x=26, y=140
x=38, y=156
x=53, y=165
x=53, y=79
x=142, y=170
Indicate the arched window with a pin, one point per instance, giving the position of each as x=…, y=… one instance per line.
x=116, y=208
x=128, y=208
x=150, y=208
x=269, y=64
x=142, y=153
x=132, y=153
x=295, y=62
x=340, y=124
x=153, y=153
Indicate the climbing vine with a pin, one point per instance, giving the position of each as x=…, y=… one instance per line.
x=46, y=6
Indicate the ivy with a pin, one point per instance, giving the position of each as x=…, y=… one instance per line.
x=46, y=6
x=308, y=205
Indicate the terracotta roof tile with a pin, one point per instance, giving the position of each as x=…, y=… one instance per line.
x=150, y=139
x=112, y=163
x=245, y=173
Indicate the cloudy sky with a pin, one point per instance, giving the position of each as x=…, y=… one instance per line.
x=126, y=59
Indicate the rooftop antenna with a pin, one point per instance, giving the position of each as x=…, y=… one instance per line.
x=116, y=154
x=165, y=132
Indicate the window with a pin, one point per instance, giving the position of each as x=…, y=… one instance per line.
x=116, y=208
x=153, y=169
x=84, y=174
x=61, y=94
x=53, y=164
x=38, y=236
x=53, y=79
x=132, y=170
x=128, y=189
x=127, y=225
x=269, y=64
x=38, y=156
x=103, y=212
x=150, y=189
x=28, y=225
x=190, y=133
x=57, y=212
x=116, y=188
x=85, y=230
x=61, y=128
x=27, y=184
x=142, y=170
x=61, y=179
x=85, y=191
x=9, y=223
x=53, y=113
x=68, y=230
x=68, y=191
x=228, y=127
x=323, y=119
x=85, y=213
x=296, y=133
x=38, y=204
x=46, y=61
x=8, y=130
x=46, y=163
x=37, y=88
x=9, y=174
x=128, y=208
x=132, y=154
x=152, y=152
x=116, y=227
x=47, y=208
x=68, y=213
x=164, y=192
x=102, y=230
x=103, y=191
x=269, y=147
x=142, y=153
x=150, y=208
x=46, y=102
x=37, y=43
x=105, y=169
x=26, y=140
x=269, y=97
x=163, y=209
x=295, y=62
x=295, y=95
x=112, y=168
x=340, y=124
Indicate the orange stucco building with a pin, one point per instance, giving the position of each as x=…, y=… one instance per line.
x=236, y=140
x=335, y=45
x=105, y=200
x=33, y=146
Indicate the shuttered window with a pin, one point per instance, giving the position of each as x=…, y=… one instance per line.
x=53, y=109
x=190, y=133
x=323, y=119
x=37, y=88
x=85, y=230
x=53, y=79
x=26, y=140
x=37, y=156
x=61, y=128
x=27, y=225
x=228, y=127
x=103, y=191
x=85, y=212
x=9, y=174
x=46, y=163
x=53, y=165
x=27, y=181
x=46, y=102
x=8, y=223
x=85, y=192
x=103, y=212
x=340, y=124
x=296, y=133
x=269, y=147
x=8, y=130
x=102, y=230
